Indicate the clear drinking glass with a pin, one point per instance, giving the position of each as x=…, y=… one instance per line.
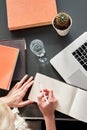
x=37, y=47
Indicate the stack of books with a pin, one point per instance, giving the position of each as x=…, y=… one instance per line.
x=12, y=61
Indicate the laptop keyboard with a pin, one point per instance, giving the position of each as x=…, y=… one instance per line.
x=81, y=55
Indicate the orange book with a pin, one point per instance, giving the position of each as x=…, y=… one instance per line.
x=30, y=13
x=21, y=45
x=8, y=59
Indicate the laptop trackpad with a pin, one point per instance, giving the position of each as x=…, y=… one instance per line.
x=78, y=79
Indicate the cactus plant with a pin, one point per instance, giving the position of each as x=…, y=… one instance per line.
x=62, y=21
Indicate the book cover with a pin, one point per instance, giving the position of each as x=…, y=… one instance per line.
x=20, y=68
x=30, y=13
x=8, y=60
x=72, y=101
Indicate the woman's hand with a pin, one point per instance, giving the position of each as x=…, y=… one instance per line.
x=47, y=109
x=15, y=96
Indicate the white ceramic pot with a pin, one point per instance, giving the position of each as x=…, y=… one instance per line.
x=62, y=32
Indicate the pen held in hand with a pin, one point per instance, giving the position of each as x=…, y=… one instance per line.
x=43, y=94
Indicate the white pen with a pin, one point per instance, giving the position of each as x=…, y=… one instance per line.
x=43, y=94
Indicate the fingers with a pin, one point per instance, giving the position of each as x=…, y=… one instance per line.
x=24, y=82
x=53, y=99
x=30, y=78
x=48, y=94
x=20, y=83
x=26, y=85
x=22, y=86
x=39, y=98
x=51, y=96
x=28, y=82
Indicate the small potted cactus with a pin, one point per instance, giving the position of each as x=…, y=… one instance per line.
x=62, y=23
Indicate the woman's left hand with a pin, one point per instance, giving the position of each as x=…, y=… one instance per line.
x=15, y=96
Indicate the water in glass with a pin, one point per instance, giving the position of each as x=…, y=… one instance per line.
x=37, y=47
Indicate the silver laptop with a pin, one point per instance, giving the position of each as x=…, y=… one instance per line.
x=71, y=62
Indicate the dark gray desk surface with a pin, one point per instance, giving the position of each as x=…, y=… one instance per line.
x=53, y=43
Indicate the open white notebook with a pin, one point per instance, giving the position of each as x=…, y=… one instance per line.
x=72, y=101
